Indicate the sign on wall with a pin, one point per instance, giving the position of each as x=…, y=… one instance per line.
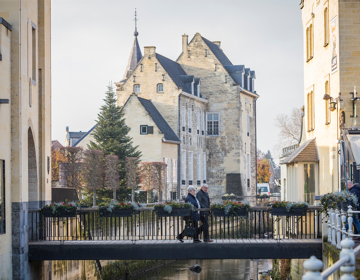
x=334, y=49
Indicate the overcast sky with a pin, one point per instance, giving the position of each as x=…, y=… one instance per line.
x=91, y=42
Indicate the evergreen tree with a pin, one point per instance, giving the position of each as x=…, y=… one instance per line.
x=111, y=135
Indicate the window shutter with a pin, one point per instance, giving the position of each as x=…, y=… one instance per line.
x=150, y=130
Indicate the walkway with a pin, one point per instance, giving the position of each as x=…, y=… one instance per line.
x=173, y=249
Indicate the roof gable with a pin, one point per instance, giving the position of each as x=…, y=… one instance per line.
x=220, y=55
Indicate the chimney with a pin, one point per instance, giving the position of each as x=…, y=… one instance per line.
x=184, y=43
x=217, y=43
x=149, y=51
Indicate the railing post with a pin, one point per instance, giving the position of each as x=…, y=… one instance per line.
x=329, y=225
x=350, y=221
x=333, y=227
x=338, y=228
x=349, y=267
x=343, y=220
x=313, y=267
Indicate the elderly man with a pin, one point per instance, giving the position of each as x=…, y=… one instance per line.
x=195, y=215
x=204, y=200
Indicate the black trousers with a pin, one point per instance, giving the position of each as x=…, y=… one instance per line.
x=193, y=224
x=205, y=226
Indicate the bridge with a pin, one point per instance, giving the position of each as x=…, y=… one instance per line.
x=145, y=236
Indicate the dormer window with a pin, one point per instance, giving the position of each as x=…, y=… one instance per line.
x=160, y=88
x=248, y=83
x=242, y=80
x=206, y=53
x=198, y=89
x=136, y=88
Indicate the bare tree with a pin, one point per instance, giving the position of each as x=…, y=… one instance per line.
x=159, y=174
x=290, y=129
x=93, y=171
x=147, y=177
x=112, y=176
x=131, y=169
x=70, y=168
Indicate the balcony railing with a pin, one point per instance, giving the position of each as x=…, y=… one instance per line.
x=289, y=150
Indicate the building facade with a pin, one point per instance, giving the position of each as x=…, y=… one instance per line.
x=210, y=104
x=331, y=30
x=25, y=139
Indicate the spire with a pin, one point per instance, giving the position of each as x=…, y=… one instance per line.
x=135, y=54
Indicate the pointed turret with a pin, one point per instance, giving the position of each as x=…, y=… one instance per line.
x=135, y=54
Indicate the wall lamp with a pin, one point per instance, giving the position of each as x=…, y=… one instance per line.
x=333, y=101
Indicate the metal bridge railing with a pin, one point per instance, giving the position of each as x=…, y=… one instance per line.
x=340, y=234
x=145, y=224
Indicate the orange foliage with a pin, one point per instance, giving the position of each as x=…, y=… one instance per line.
x=263, y=170
x=57, y=157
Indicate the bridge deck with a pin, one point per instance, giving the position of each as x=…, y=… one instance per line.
x=173, y=249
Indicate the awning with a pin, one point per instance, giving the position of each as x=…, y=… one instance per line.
x=307, y=152
x=354, y=141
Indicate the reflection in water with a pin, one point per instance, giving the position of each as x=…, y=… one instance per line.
x=210, y=270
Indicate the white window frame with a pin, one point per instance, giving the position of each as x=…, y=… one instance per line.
x=183, y=166
x=137, y=88
x=198, y=168
x=204, y=168
x=198, y=89
x=191, y=166
x=174, y=170
x=168, y=169
x=192, y=87
x=162, y=87
x=190, y=119
x=248, y=125
x=207, y=120
x=198, y=121
x=183, y=117
x=141, y=128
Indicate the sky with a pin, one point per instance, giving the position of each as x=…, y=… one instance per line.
x=91, y=42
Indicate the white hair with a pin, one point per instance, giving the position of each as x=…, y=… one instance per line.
x=205, y=185
x=191, y=188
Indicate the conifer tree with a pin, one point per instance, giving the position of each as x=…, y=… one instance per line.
x=111, y=133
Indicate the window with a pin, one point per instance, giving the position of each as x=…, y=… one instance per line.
x=198, y=89
x=2, y=197
x=309, y=183
x=174, y=170
x=183, y=167
x=212, y=123
x=141, y=67
x=168, y=169
x=310, y=111
x=183, y=118
x=204, y=167
x=190, y=142
x=192, y=87
x=143, y=129
x=226, y=79
x=248, y=166
x=190, y=119
x=198, y=122
x=191, y=167
x=33, y=36
x=203, y=123
x=248, y=125
x=327, y=104
x=198, y=169
x=136, y=88
x=156, y=67
x=309, y=42
x=206, y=53
x=160, y=88
x=184, y=140
x=326, y=27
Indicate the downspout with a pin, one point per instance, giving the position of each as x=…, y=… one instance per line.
x=179, y=152
x=302, y=124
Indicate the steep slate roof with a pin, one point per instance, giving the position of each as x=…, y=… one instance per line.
x=307, y=152
x=235, y=72
x=76, y=134
x=86, y=134
x=174, y=70
x=217, y=52
x=161, y=123
x=135, y=56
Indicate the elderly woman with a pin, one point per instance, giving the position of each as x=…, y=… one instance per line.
x=194, y=215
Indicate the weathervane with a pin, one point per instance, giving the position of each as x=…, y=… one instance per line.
x=136, y=33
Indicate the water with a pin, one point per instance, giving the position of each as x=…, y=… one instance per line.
x=210, y=270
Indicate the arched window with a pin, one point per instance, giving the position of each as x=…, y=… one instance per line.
x=326, y=27
x=160, y=88
x=307, y=44
x=137, y=88
x=311, y=41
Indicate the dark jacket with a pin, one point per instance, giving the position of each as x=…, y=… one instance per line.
x=355, y=189
x=204, y=200
x=194, y=214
